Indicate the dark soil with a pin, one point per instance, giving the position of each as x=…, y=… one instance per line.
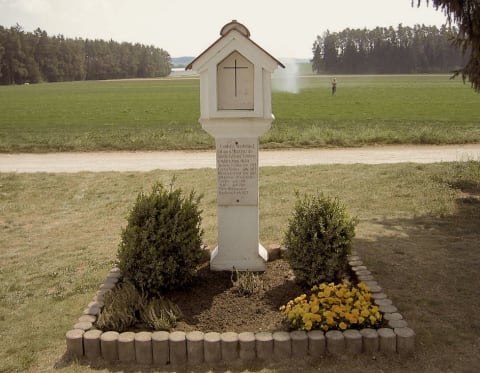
x=213, y=304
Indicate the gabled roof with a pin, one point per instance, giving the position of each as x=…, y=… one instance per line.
x=224, y=32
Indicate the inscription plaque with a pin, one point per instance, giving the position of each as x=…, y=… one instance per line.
x=237, y=171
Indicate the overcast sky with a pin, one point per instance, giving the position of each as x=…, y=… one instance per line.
x=187, y=27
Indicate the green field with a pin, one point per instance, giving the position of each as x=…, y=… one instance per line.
x=163, y=114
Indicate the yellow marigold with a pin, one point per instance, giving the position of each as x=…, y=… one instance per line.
x=372, y=319
x=330, y=321
x=365, y=312
x=363, y=286
x=308, y=326
x=342, y=326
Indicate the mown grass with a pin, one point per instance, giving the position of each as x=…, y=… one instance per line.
x=163, y=114
x=418, y=233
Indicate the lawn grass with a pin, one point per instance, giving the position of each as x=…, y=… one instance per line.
x=418, y=234
x=163, y=114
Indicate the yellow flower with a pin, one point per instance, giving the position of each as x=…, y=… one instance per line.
x=342, y=326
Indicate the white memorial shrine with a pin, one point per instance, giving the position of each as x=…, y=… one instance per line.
x=235, y=108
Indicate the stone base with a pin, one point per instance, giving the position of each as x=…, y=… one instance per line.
x=257, y=263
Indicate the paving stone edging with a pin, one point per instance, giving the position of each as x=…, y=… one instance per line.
x=178, y=348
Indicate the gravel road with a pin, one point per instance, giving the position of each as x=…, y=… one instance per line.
x=179, y=160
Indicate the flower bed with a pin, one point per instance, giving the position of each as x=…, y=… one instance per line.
x=178, y=348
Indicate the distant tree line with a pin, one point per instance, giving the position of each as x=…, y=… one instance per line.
x=37, y=57
x=404, y=50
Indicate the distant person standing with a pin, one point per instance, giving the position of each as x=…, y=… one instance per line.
x=334, y=86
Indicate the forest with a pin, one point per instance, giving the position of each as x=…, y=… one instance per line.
x=404, y=50
x=33, y=57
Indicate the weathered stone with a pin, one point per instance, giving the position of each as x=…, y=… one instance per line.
x=126, y=347
x=94, y=311
x=178, y=348
x=229, y=346
x=264, y=345
x=83, y=325
x=363, y=272
x=160, y=347
x=375, y=289
x=111, y=280
x=397, y=324
x=379, y=295
x=387, y=340
x=335, y=342
x=405, y=340
x=195, y=347
x=282, y=345
x=353, y=341
x=353, y=257
x=109, y=346
x=89, y=318
x=388, y=308
x=370, y=341
x=212, y=347
x=143, y=348
x=355, y=263
x=274, y=252
x=392, y=316
x=96, y=303
x=107, y=286
x=74, y=339
x=364, y=278
x=358, y=268
x=371, y=283
x=115, y=270
x=91, y=343
x=383, y=302
x=299, y=343
x=316, y=343
x=247, y=344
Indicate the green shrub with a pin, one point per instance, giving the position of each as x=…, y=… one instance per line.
x=161, y=246
x=318, y=239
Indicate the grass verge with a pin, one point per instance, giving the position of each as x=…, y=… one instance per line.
x=418, y=233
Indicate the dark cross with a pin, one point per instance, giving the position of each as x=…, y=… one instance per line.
x=235, y=68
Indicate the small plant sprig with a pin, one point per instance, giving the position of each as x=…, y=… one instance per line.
x=125, y=306
x=246, y=283
x=333, y=307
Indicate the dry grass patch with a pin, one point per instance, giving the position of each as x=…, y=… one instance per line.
x=418, y=233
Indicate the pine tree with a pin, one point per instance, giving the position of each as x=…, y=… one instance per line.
x=466, y=14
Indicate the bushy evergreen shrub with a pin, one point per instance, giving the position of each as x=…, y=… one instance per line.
x=318, y=239
x=161, y=246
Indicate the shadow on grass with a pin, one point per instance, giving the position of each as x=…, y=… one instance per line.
x=429, y=267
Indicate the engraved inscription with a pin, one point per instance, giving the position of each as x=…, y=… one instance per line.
x=237, y=171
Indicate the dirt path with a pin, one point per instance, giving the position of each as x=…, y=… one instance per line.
x=178, y=160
